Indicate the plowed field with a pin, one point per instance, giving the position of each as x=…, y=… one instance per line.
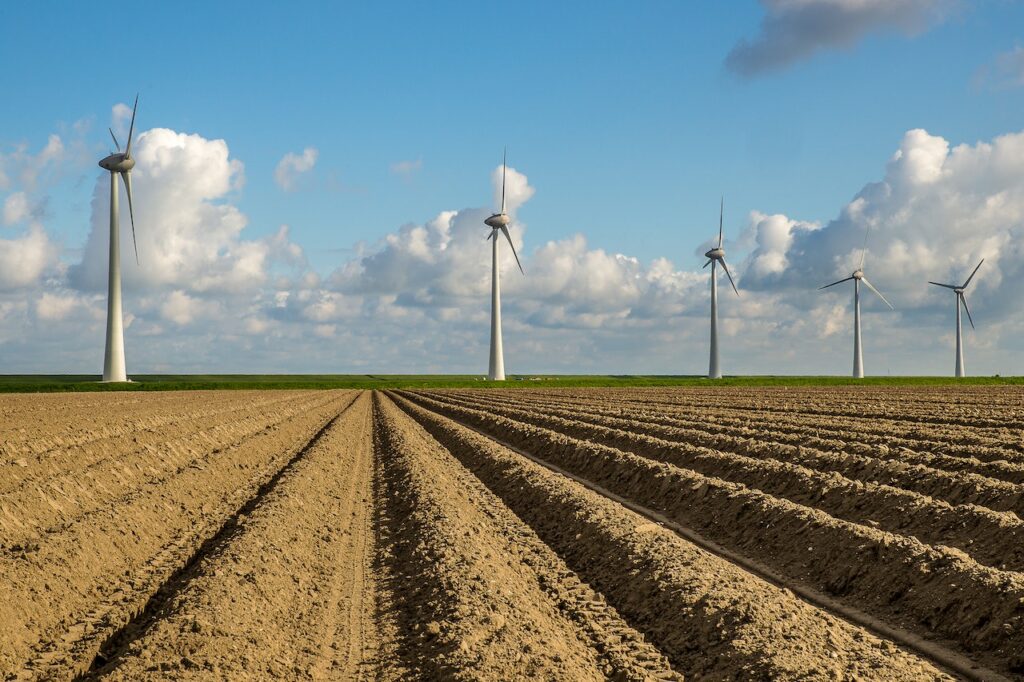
x=563, y=534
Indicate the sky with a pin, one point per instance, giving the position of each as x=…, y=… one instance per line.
x=312, y=179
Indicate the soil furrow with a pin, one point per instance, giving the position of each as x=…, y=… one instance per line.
x=937, y=592
x=58, y=601
x=991, y=538
x=954, y=488
x=279, y=586
x=714, y=620
x=33, y=514
x=955, y=451
x=478, y=595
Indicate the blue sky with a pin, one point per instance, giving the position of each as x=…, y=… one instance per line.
x=624, y=116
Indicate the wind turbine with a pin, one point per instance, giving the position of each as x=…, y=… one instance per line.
x=498, y=222
x=961, y=299
x=118, y=163
x=716, y=256
x=858, y=277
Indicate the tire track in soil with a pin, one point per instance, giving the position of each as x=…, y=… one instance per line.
x=253, y=605
x=350, y=648
x=715, y=620
x=118, y=616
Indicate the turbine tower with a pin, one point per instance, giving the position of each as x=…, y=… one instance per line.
x=961, y=299
x=118, y=163
x=716, y=256
x=858, y=277
x=498, y=222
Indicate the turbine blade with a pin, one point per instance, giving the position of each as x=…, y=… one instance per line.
x=938, y=284
x=877, y=292
x=504, y=167
x=509, y=238
x=972, y=274
x=490, y=235
x=131, y=210
x=131, y=129
x=116, y=143
x=729, y=275
x=708, y=263
x=963, y=299
x=864, y=250
x=721, y=212
x=835, y=283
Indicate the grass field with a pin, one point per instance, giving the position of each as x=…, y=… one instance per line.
x=32, y=383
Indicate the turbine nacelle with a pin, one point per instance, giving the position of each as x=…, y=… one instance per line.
x=498, y=221
x=118, y=162
x=715, y=254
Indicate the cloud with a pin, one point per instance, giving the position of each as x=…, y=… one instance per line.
x=212, y=297
x=26, y=170
x=24, y=259
x=120, y=119
x=180, y=308
x=292, y=166
x=937, y=211
x=16, y=208
x=794, y=30
x=439, y=272
x=773, y=237
x=517, y=190
x=59, y=306
x=1005, y=72
x=406, y=168
x=189, y=234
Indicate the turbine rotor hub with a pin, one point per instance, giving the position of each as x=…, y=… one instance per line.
x=858, y=274
x=497, y=221
x=117, y=163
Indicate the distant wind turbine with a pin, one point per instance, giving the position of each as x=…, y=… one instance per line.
x=118, y=163
x=498, y=222
x=716, y=256
x=858, y=277
x=961, y=299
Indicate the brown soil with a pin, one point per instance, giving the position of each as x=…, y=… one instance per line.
x=990, y=537
x=629, y=534
x=937, y=592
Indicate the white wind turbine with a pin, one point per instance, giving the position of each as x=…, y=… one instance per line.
x=498, y=222
x=961, y=299
x=716, y=256
x=858, y=277
x=118, y=163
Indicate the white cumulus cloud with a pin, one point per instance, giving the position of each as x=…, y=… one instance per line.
x=58, y=306
x=16, y=208
x=937, y=211
x=189, y=234
x=517, y=189
x=182, y=309
x=24, y=259
x=292, y=166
